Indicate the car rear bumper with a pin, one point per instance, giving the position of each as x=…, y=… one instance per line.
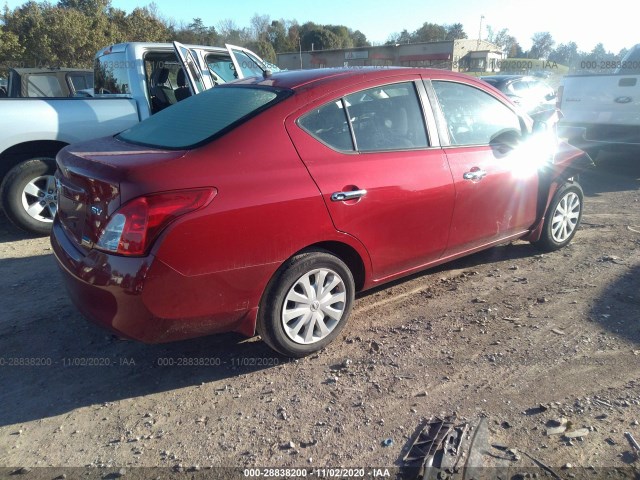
x=141, y=298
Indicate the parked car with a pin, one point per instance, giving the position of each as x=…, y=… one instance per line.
x=603, y=110
x=268, y=202
x=531, y=93
x=48, y=82
x=132, y=82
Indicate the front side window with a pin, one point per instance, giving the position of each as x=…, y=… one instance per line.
x=474, y=117
x=201, y=118
x=381, y=118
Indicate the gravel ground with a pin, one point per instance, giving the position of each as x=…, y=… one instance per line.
x=527, y=345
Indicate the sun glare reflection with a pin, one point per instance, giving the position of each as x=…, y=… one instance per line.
x=533, y=154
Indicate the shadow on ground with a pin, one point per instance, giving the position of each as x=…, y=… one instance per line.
x=618, y=308
x=614, y=172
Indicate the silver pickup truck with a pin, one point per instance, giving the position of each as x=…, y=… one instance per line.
x=602, y=110
x=131, y=82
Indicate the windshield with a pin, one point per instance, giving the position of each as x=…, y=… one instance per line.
x=203, y=117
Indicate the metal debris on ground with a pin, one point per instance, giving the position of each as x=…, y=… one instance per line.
x=443, y=446
x=634, y=444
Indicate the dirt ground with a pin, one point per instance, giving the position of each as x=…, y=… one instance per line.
x=510, y=336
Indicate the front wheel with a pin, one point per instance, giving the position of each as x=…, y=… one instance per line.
x=29, y=196
x=562, y=218
x=306, y=304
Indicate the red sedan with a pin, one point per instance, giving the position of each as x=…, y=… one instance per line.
x=267, y=203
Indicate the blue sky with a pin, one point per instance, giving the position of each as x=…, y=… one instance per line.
x=614, y=23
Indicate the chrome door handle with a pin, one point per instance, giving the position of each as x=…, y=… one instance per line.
x=342, y=196
x=474, y=175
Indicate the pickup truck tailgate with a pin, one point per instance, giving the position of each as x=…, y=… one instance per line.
x=601, y=99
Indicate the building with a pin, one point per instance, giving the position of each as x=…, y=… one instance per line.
x=457, y=55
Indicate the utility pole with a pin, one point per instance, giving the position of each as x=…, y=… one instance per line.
x=300, y=49
x=480, y=33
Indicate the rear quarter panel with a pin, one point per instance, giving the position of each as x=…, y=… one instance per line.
x=267, y=208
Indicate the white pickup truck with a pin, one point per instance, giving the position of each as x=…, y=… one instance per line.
x=131, y=82
x=602, y=110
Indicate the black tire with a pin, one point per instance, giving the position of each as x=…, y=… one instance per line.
x=322, y=269
x=37, y=171
x=562, y=218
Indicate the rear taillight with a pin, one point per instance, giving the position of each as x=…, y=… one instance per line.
x=134, y=226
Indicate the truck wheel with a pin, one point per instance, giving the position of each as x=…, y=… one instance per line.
x=29, y=196
x=306, y=304
x=562, y=218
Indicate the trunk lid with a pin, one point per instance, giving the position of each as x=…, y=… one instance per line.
x=95, y=178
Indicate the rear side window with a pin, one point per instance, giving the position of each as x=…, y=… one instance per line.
x=329, y=125
x=381, y=118
x=387, y=118
x=203, y=117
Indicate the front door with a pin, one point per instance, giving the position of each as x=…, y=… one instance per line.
x=495, y=178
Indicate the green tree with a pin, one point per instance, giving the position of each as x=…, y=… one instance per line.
x=230, y=32
x=10, y=50
x=360, y=39
x=264, y=49
x=542, y=45
x=260, y=28
x=455, y=32
x=343, y=35
x=430, y=32
x=398, y=38
x=195, y=33
x=320, y=39
x=565, y=54
x=142, y=26
x=88, y=7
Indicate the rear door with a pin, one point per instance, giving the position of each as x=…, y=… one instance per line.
x=384, y=180
x=190, y=67
x=496, y=181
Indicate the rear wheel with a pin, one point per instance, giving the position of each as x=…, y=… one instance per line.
x=29, y=195
x=306, y=304
x=562, y=219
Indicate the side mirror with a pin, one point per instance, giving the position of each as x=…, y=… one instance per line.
x=506, y=141
x=540, y=126
x=550, y=96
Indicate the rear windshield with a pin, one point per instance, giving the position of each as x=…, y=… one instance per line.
x=202, y=117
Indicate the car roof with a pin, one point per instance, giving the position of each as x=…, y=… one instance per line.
x=296, y=79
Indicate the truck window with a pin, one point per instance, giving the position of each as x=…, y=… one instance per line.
x=161, y=78
x=631, y=62
x=81, y=82
x=222, y=67
x=111, y=74
x=44, y=86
